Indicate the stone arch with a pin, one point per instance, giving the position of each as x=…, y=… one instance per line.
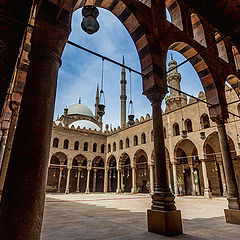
x=62, y=157
x=98, y=162
x=126, y=172
x=222, y=52
x=135, y=140
x=81, y=160
x=127, y=143
x=234, y=82
x=236, y=57
x=124, y=159
x=76, y=145
x=121, y=144
x=111, y=158
x=175, y=13
x=102, y=148
x=201, y=68
x=176, y=130
x=66, y=144
x=112, y=174
x=85, y=146
x=123, y=11
x=198, y=30
x=94, y=147
x=114, y=147
x=109, y=147
x=143, y=138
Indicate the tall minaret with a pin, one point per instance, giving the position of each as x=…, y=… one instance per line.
x=175, y=99
x=96, y=103
x=123, y=96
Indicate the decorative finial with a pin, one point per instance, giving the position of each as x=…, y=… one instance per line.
x=79, y=100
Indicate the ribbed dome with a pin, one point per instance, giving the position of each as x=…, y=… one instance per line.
x=80, y=109
x=85, y=123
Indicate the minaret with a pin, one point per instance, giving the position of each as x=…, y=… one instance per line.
x=96, y=103
x=123, y=96
x=175, y=99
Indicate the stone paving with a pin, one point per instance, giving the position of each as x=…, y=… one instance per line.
x=123, y=216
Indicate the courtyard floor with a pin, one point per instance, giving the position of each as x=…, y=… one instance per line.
x=123, y=216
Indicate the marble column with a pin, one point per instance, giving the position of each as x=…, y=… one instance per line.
x=169, y=177
x=118, y=181
x=59, y=180
x=151, y=179
x=220, y=163
x=110, y=181
x=94, y=180
x=68, y=180
x=122, y=177
x=175, y=179
x=134, y=188
x=24, y=193
x=78, y=179
x=106, y=180
x=3, y=144
x=233, y=194
x=193, y=180
x=163, y=204
x=88, y=181
x=207, y=192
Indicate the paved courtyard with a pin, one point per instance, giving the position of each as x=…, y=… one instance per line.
x=111, y=216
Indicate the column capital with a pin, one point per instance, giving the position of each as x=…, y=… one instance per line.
x=155, y=94
x=220, y=119
x=14, y=106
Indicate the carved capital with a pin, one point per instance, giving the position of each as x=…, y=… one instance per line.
x=14, y=106
x=155, y=94
x=220, y=120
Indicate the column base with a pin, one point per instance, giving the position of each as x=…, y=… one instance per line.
x=118, y=191
x=87, y=191
x=207, y=194
x=58, y=191
x=167, y=223
x=232, y=216
x=67, y=191
x=133, y=191
x=77, y=191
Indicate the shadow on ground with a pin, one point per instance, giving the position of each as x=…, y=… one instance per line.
x=68, y=220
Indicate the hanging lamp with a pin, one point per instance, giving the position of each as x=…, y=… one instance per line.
x=130, y=106
x=101, y=105
x=89, y=22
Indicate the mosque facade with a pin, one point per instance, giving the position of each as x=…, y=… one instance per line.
x=84, y=158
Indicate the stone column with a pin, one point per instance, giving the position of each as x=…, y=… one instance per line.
x=163, y=205
x=118, y=181
x=106, y=180
x=94, y=180
x=134, y=188
x=233, y=195
x=109, y=181
x=25, y=184
x=78, y=179
x=88, y=181
x=151, y=179
x=193, y=180
x=3, y=144
x=220, y=163
x=59, y=179
x=175, y=178
x=68, y=180
x=207, y=192
x=122, y=177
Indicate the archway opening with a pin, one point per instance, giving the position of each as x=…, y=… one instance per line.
x=97, y=175
x=126, y=173
x=112, y=174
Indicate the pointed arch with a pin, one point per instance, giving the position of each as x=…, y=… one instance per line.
x=204, y=121
x=234, y=82
x=176, y=130
x=143, y=138
x=236, y=57
x=222, y=52
x=198, y=30
x=188, y=125
x=65, y=144
x=55, y=142
x=76, y=145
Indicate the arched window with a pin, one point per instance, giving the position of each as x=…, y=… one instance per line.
x=109, y=147
x=236, y=57
x=76, y=145
x=204, y=121
x=65, y=144
x=127, y=143
x=164, y=133
x=198, y=31
x=222, y=52
x=143, y=138
x=102, y=148
x=55, y=142
x=188, y=125
x=176, y=131
x=85, y=146
x=135, y=140
x=120, y=144
x=94, y=147
x=114, y=147
x=152, y=137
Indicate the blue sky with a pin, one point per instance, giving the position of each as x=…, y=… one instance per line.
x=81, y=72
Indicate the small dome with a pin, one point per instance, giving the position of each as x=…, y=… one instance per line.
x=85, y=123
x=80, y=109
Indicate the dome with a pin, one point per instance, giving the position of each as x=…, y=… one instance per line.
x=85, y=123
x=80, y=109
